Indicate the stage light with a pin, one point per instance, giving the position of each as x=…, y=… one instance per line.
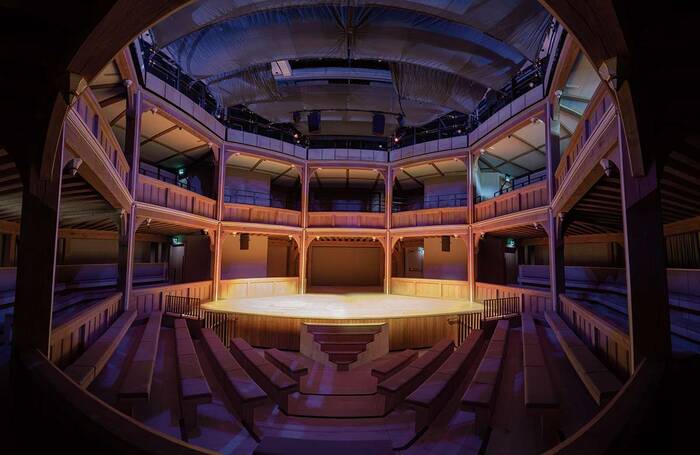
x=396, y=139
x=296, y=135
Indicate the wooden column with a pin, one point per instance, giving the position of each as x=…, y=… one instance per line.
x=302, y=262
x=471, y=263
x=9, y=253
x=220, y=182
x=305, y=178
x=555, y=222
x=126, y=221
x=132, y=141
x=645, y=259
x=41, y=195
x=388, y=249
x=471, y=275
x=215, y=247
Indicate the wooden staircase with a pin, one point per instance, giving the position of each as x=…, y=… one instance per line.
x=342, y=344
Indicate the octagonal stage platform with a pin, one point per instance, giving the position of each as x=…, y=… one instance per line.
x=414, y=322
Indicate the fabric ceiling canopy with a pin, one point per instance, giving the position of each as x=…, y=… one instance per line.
x=443, y=56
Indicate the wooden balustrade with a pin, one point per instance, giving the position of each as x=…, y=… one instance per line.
x=606, y=338
x=152, y=298
x=438, y=289
x=597, y=107
x=89, y=111
x=532, y=300
x=164, y=194
x=264, y=215
x=347, y=219
x=527, y=197
x=430, y=217
x=258, y=287
x=71, y=336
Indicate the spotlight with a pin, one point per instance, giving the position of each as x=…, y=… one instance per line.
x=296, y=135
x=396, y=139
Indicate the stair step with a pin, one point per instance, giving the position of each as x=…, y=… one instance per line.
x=342, y=357
x=343, y=347
x=364, y=329
x=344, y=337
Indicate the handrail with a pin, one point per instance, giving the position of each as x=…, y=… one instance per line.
x=199, y=204
x=590, y=120
x=430, y=202
x=79, y=416
x=528, y=197
x=169, y=180
x=102, y=131
x=260, y=199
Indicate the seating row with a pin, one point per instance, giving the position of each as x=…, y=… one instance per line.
x=433, y=394
x=481, y=393
x=397, y=387
x=287, y=362
x=599, y=381
x=193, y=386
x=274, y=382
x=136, y=386
x=539, y=391
x=243, y=392
x=88, y=366
x=387, y=366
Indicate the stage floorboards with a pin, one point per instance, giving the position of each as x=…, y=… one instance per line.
x=357, y=305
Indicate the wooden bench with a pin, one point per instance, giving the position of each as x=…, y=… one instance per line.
x=276, y=384
x=136, y=386
x=539, y=394
x=194, y=388
x=481, y=393
x=387, y=366
x=88, y=366
x=433, y=394
x=401, y=384
x=287, y=362
x=243, y=392
x=600, y=382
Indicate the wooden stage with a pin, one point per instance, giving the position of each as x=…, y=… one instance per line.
x=414, y=322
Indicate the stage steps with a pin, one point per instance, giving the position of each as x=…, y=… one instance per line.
x=344, y=345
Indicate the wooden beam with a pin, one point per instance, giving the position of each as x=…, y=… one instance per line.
x=162, y=133
x=442, y=174
x=111, y=100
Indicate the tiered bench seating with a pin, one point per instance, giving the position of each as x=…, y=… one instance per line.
x=387, y=366
x=276, y=384
x=481, y=393
x=401, y=384
x=539, y=394
x=287, y=362
x=432, y=395
x=194, y=388
x=88, y=366
x=600, y=382
x=243, y=392
x=136, y=386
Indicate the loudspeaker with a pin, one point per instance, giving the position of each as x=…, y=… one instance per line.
x=296, y=116
x=378, y=121
x=314, y=121
x=446, y=243
x=245, y=241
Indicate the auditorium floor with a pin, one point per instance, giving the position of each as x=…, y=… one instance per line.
x=327, y=392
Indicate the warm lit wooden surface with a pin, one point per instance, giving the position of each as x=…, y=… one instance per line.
x=414, y=322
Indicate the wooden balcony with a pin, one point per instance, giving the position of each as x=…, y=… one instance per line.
x=155, y=192
x=347, y=219
x=88, y=110
x=593, y=116
x=527, y=197
x=262, y=215
x=152, y=298
x=430, y=217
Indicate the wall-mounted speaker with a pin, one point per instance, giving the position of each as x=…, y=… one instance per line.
x=245, y=241
x=296, y=116
x=446, y=243
x=314, y=121
x=378, y=122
